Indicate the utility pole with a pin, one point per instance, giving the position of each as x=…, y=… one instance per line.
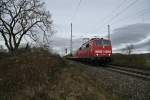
x=109, y=32
x=71, y=41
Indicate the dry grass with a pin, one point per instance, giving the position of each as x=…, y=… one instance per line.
x=75, y=85
x=28, y=75
x=37, y=74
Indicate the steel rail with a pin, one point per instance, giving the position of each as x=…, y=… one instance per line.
x=130, y=71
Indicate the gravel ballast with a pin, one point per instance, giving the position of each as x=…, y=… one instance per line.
x=124, y=86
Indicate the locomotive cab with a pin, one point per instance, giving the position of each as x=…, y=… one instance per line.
x=96, y=49
x=102, y=50
x=102, y=47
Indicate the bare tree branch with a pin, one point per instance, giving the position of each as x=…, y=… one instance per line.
x=19, y=18
x=128, y=49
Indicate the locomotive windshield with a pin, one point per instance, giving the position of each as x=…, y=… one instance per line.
x=103, y=42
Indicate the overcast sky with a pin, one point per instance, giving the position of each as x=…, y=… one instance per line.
x=129, y=22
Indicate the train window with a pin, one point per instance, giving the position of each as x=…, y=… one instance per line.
x=87, y=45
x=106, y=42
x=103, y=42
x=98, y=42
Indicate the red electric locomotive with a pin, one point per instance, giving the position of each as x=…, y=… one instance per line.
x=96, y=49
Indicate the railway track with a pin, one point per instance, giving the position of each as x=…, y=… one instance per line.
x=143, y=74
x=131, y=71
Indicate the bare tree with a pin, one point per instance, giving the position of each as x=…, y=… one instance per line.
x=129, y=49
x=20, y=18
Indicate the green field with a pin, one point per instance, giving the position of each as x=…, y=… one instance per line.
x=147, y=62
x=141, y=61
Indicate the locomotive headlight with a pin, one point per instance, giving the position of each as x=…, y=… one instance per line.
x=96, y=54
x=98, y=51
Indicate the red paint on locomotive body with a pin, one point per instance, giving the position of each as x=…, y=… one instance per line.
x=95, y=48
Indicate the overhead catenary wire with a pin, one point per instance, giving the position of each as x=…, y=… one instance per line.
x=118, y=7
x=139, y=13
x=119, y=13
x=76, y=10
x=107, y=16
x=122, y=11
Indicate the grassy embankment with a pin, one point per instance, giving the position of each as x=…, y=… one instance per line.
x=37, y=74
x=141, y=61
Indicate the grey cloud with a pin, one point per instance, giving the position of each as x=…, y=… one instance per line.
x=136, y=34
x=131, y=34
x=63, y=43
x=143, y=45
